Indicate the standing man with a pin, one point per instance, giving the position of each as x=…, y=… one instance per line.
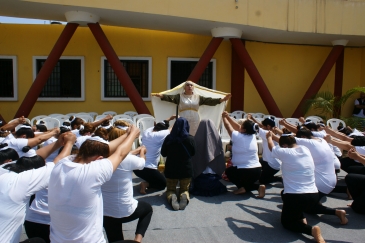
x=359, y=106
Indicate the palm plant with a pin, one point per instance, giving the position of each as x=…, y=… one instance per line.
x=327, y=104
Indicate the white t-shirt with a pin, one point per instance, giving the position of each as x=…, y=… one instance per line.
x=15, y=191
x=55, y=153
x=335, y=149
x=80, y=140
x=38, y=212
x=361, y=113
x=76, y=132
x=153, y=142
x=75, y=201
x=244, y=151
x=118, y=191
x=266, y=153
x=2, y=139
x=297, y=169
x=324, y=168
x=16, y=143
x=360, y=150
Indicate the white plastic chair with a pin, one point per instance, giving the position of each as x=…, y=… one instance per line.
x=293, y=121
x=131, y=113
x=62, y=118
x=238, y=114
x=36, y=118
x=121, y=117
x=143, y=123
x=258, y=115
x=315, y=119
x=269, y=116
x=86, y=118
x=139, y=116
x=93, y=114
x=54, y=115
x=334, y=122
x=82, y=113
x=112, y=113
x=71, y=114
x=130, y=121
x=260, y=119
x=277, y=119
x=50, y=122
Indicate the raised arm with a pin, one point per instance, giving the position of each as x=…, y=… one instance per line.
x=43, y=137
x=353, y=154
x=337, y=134
x=99, y=122
x=123, y=148
x=270, y=143
x=231, y=121
x=250, y=117
x=288, y=126
x=344, y=145
x=12, y=125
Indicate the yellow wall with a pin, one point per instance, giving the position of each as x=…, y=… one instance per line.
x=287, y=70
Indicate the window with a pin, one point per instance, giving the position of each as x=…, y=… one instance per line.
x=66, y=82
x=179, y=70
x=8, y=78
x=139, y=70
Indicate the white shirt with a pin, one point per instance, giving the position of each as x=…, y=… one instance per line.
x=52, y=156
x=16, y=143
x=75, y=201
x=153, y=142
x=118, y=192
x=80, y=140
x=15, y=191
x=76, y=132
x=297, y=169
x=266, y=153
x=244, y=150
x=360, y=150
x=38, y=212
x=324, y=168
x=335, y=149
x=360, y=114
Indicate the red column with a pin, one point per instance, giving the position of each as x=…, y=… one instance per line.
x=118, y=68
x=237, y=82
x=320, y=78
x=256, y=77
x=43, y=75
x=339, y=79
x=205, y=59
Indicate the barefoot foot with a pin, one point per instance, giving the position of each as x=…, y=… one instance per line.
x=341, y=214
x=316, y=233
x=262, y=189
x=241, y=190
x=143, y=187
x=349, y=197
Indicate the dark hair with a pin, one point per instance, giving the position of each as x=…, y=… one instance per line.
x=310, y=125
x=269, y=122
x=26, y=163
x=92, y=148
x=8, y=153
x=250, y=127
x=287, y=140
x=41, y=127
x=75, y=123
x=304, y=132
x=74, y=149
x=101, y=132
x=345, y=130
x=88, y=127
x=28, y=132
x=161, y=125
x=64, y=129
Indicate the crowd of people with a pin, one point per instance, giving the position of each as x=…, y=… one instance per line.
x=67, y=184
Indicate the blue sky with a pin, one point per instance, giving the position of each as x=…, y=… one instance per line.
x=22, y=20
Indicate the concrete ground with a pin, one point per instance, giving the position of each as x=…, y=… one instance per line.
x=240, y=218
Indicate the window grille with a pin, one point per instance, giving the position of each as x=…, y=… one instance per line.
x=6, y=78
x=180, y=71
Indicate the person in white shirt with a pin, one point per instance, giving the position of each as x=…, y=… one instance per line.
x=7, y=154
x=152, y=139
x=270, y=165
x=246, y=169
x=52, y=156
x=300, y=193
x=119, y=205
x=21, y=179
x=74, y=193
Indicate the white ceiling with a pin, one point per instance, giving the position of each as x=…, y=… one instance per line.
x=23, y=9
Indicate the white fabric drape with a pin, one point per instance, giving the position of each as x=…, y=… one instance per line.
x=163, y=110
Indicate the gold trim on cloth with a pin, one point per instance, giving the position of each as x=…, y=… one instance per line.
x=188, y=110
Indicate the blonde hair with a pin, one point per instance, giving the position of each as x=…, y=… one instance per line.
x=115, y=133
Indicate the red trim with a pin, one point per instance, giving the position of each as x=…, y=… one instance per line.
x=256, y=78
x=237, y=82
x=339, y=76
x=320, y=78
x=118, y=68
x=205, y=59
x=43, y=75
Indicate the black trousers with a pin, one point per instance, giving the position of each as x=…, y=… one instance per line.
x=156, y=179
x=294, y=205
x=347, y=162
x=267, y=174
x=33, y=240
x=113, y=226
x=37, y=230
x=244, y=177
x=356, y=186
